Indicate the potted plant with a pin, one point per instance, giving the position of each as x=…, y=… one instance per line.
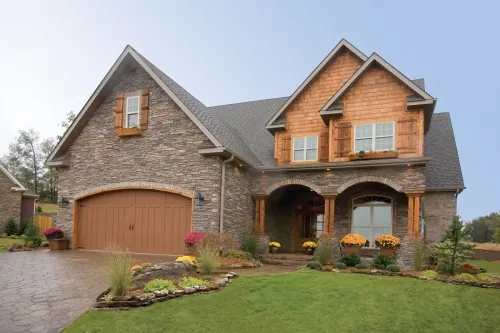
x=191, y=240
x=309, y=247
x=56, y=239
x=352, y=243
x=388, y=244
x=274, y=246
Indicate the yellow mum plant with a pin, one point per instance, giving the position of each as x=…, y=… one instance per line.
x=353, y=239
x=189, y=259
x=387, y=241
x=309, y=244
x=135, y=267
x=274, y=244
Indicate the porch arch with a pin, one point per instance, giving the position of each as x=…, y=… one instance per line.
x=374, y=179
x=286, y=182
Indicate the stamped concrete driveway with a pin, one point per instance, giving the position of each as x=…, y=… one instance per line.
x=44, y=291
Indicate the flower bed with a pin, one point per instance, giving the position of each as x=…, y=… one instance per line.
x=173, y=279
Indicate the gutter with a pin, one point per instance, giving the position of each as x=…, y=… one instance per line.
x=222, y=192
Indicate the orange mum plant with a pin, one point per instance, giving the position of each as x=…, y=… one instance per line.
x=353, y=239
x=389, y=241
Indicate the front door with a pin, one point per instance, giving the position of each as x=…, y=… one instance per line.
x=309, y=226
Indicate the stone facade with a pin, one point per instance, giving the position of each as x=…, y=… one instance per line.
x=10, y=201
x=165, y=154
x=438, y=209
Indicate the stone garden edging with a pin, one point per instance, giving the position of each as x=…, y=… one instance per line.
x=479, y=284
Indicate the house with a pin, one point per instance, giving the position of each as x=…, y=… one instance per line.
x=357, y=148
x=15, y=200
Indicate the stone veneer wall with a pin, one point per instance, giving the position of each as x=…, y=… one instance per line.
x=238, y=203
x=10, y=202
x=438, y=209
x=166, y=154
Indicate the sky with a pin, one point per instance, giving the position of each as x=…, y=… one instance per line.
x=53, y=54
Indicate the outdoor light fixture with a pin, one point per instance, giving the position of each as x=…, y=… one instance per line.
x=198, y=199
x=327, y=169
x=64, y=202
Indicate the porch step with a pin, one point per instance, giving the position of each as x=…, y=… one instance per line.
x=286, y=259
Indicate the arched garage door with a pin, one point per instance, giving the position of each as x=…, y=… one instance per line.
x=144, y=221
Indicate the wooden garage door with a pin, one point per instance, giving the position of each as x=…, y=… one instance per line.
x=144, y=221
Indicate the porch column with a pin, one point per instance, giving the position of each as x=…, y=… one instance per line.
x=413, y=214
x=260, y=213
x=329, y=228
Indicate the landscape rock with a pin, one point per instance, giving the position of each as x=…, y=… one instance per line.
x=161, y=293
x=121, y=298
x=189, y=290
x=145, y=296
x=179, y=292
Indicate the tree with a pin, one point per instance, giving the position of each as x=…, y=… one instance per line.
x=66, y=123
x=453, y=250
x=481, y=228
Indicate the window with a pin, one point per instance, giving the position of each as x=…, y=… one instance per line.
x=132, y=112
x=372, y=137
x=305, y=148
x=371, y=217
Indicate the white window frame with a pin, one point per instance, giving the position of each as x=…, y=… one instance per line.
x=371, y=205
x=305, y=148
x=374, y=136
x=127, y=113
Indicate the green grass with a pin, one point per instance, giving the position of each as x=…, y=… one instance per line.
x=8, y=242
x=48, y=208
x=316, y=302
x=490, y=266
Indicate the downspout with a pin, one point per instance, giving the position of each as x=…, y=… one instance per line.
x=222, y=192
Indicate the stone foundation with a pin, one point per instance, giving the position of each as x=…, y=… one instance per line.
x=406, y=254
x=334, y=242
x=262, y=244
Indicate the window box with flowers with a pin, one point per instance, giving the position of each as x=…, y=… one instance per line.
x=352, y=243
x=372, y=155
x=309, y=247
x=56, y=239
x=191, y=240
x=388, y=245
x=274, y=246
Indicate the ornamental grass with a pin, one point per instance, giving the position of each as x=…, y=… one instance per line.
x=118, y=261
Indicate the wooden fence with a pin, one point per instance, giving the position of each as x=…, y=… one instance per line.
x=43, y=222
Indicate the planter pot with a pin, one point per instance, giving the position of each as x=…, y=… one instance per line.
x=373, y=155
x=348, y=249
x=192, y=250
x=309, y=250
x=274, y=249
x=388, y=252
x=58, y=244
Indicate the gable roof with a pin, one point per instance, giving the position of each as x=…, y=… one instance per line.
x=341, y=45
x=215, y=128
x=6, y=172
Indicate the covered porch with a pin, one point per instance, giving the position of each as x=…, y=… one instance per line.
x=295, y=213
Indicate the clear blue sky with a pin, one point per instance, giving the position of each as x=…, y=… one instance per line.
x=53, y=55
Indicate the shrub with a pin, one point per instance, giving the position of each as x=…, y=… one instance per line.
x=340, y=265
x=189, y=259
x=324, y=252
x=218, y=242
x=362, y=266
x=53, y=233
x=33, y=236
x=158, y=284
x=208, y=257
x=485, y=277
x=419, y=257
x=496, y=235
x=250, y=245
x=429, y=274
x=353, y=239
x=11, y=227
x=351, y=260
x=118, y=261
x=39, y=209
x=14, y=237
x=389, y=241
x=381, y=262
x=191, y=282
x=453, y=250
x=393, y=268
x=193, y=238
x=313, y=264
x=237, y=254
x=468, y=268
x=465, y=277
x=22, y=227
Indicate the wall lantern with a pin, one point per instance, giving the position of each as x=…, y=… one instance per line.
x=64, y=202
x=198, y=199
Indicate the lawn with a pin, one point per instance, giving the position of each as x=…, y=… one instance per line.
x=48, y=207
x=8, y=242
x=310, y=301
x=490, y=266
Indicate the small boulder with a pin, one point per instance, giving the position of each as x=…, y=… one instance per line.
x=229, y=276
x=234, y=274
x=145, y=296
x=189, y=290
x=121, y=298
x=179, y=292
x=161, y=293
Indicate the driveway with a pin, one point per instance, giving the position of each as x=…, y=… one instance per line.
x=44, y=291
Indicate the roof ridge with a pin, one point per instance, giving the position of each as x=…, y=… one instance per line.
x=252, y=101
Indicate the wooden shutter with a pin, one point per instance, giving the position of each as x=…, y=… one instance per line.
x=285, y=149
x=119, y=111
x=343, y=138
x=407, y=135
x=323, y=147
x=144, y=108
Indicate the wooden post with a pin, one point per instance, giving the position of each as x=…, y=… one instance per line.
x=260, y=213
x=409, y=233
x=416, y=217
x=331, y=231
x=326, y=227
x=413, y=214
x=329, y=228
